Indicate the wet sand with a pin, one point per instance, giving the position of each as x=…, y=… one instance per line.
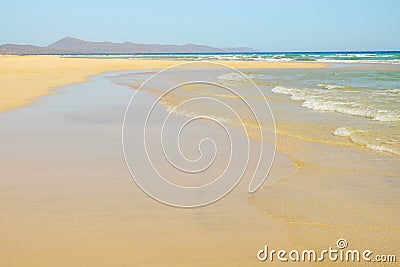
x=68, y=200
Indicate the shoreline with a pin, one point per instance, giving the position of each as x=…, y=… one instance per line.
x=25, y=78
x=304, y=199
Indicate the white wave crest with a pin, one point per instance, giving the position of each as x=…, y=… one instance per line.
x=330, y=86
x=282, y=90
x=346, y=103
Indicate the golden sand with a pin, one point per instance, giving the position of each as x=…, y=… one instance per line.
x=24, y=78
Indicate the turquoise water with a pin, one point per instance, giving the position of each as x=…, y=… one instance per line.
x=392, y=57
x=373, y=94
x=369, y=101
x=335, y=104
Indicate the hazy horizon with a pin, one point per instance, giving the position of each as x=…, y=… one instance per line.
x=259, y=51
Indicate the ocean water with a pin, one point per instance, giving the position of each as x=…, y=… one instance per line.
x=368, y=101
x=335, y=105
x=389, y=57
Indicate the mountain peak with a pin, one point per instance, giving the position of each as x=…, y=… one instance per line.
x=71, y=45
x=65, y=42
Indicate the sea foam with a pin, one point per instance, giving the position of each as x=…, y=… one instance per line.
x=330, y=86
x=371, y=140
x=351, y=102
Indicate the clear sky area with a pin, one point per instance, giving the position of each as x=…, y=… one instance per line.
x=284, y=25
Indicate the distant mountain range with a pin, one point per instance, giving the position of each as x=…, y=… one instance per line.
x=69, y=45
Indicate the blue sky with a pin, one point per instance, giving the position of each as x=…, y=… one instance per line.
x=284, y=25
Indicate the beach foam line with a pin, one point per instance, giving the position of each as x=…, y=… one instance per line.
x=326, y=100
x=371, y=142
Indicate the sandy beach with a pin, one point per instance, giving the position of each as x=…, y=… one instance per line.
x=67, y=199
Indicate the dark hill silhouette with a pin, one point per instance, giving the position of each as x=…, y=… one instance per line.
x=70, y=45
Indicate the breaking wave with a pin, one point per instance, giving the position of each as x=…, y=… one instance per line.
x=353, y=102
